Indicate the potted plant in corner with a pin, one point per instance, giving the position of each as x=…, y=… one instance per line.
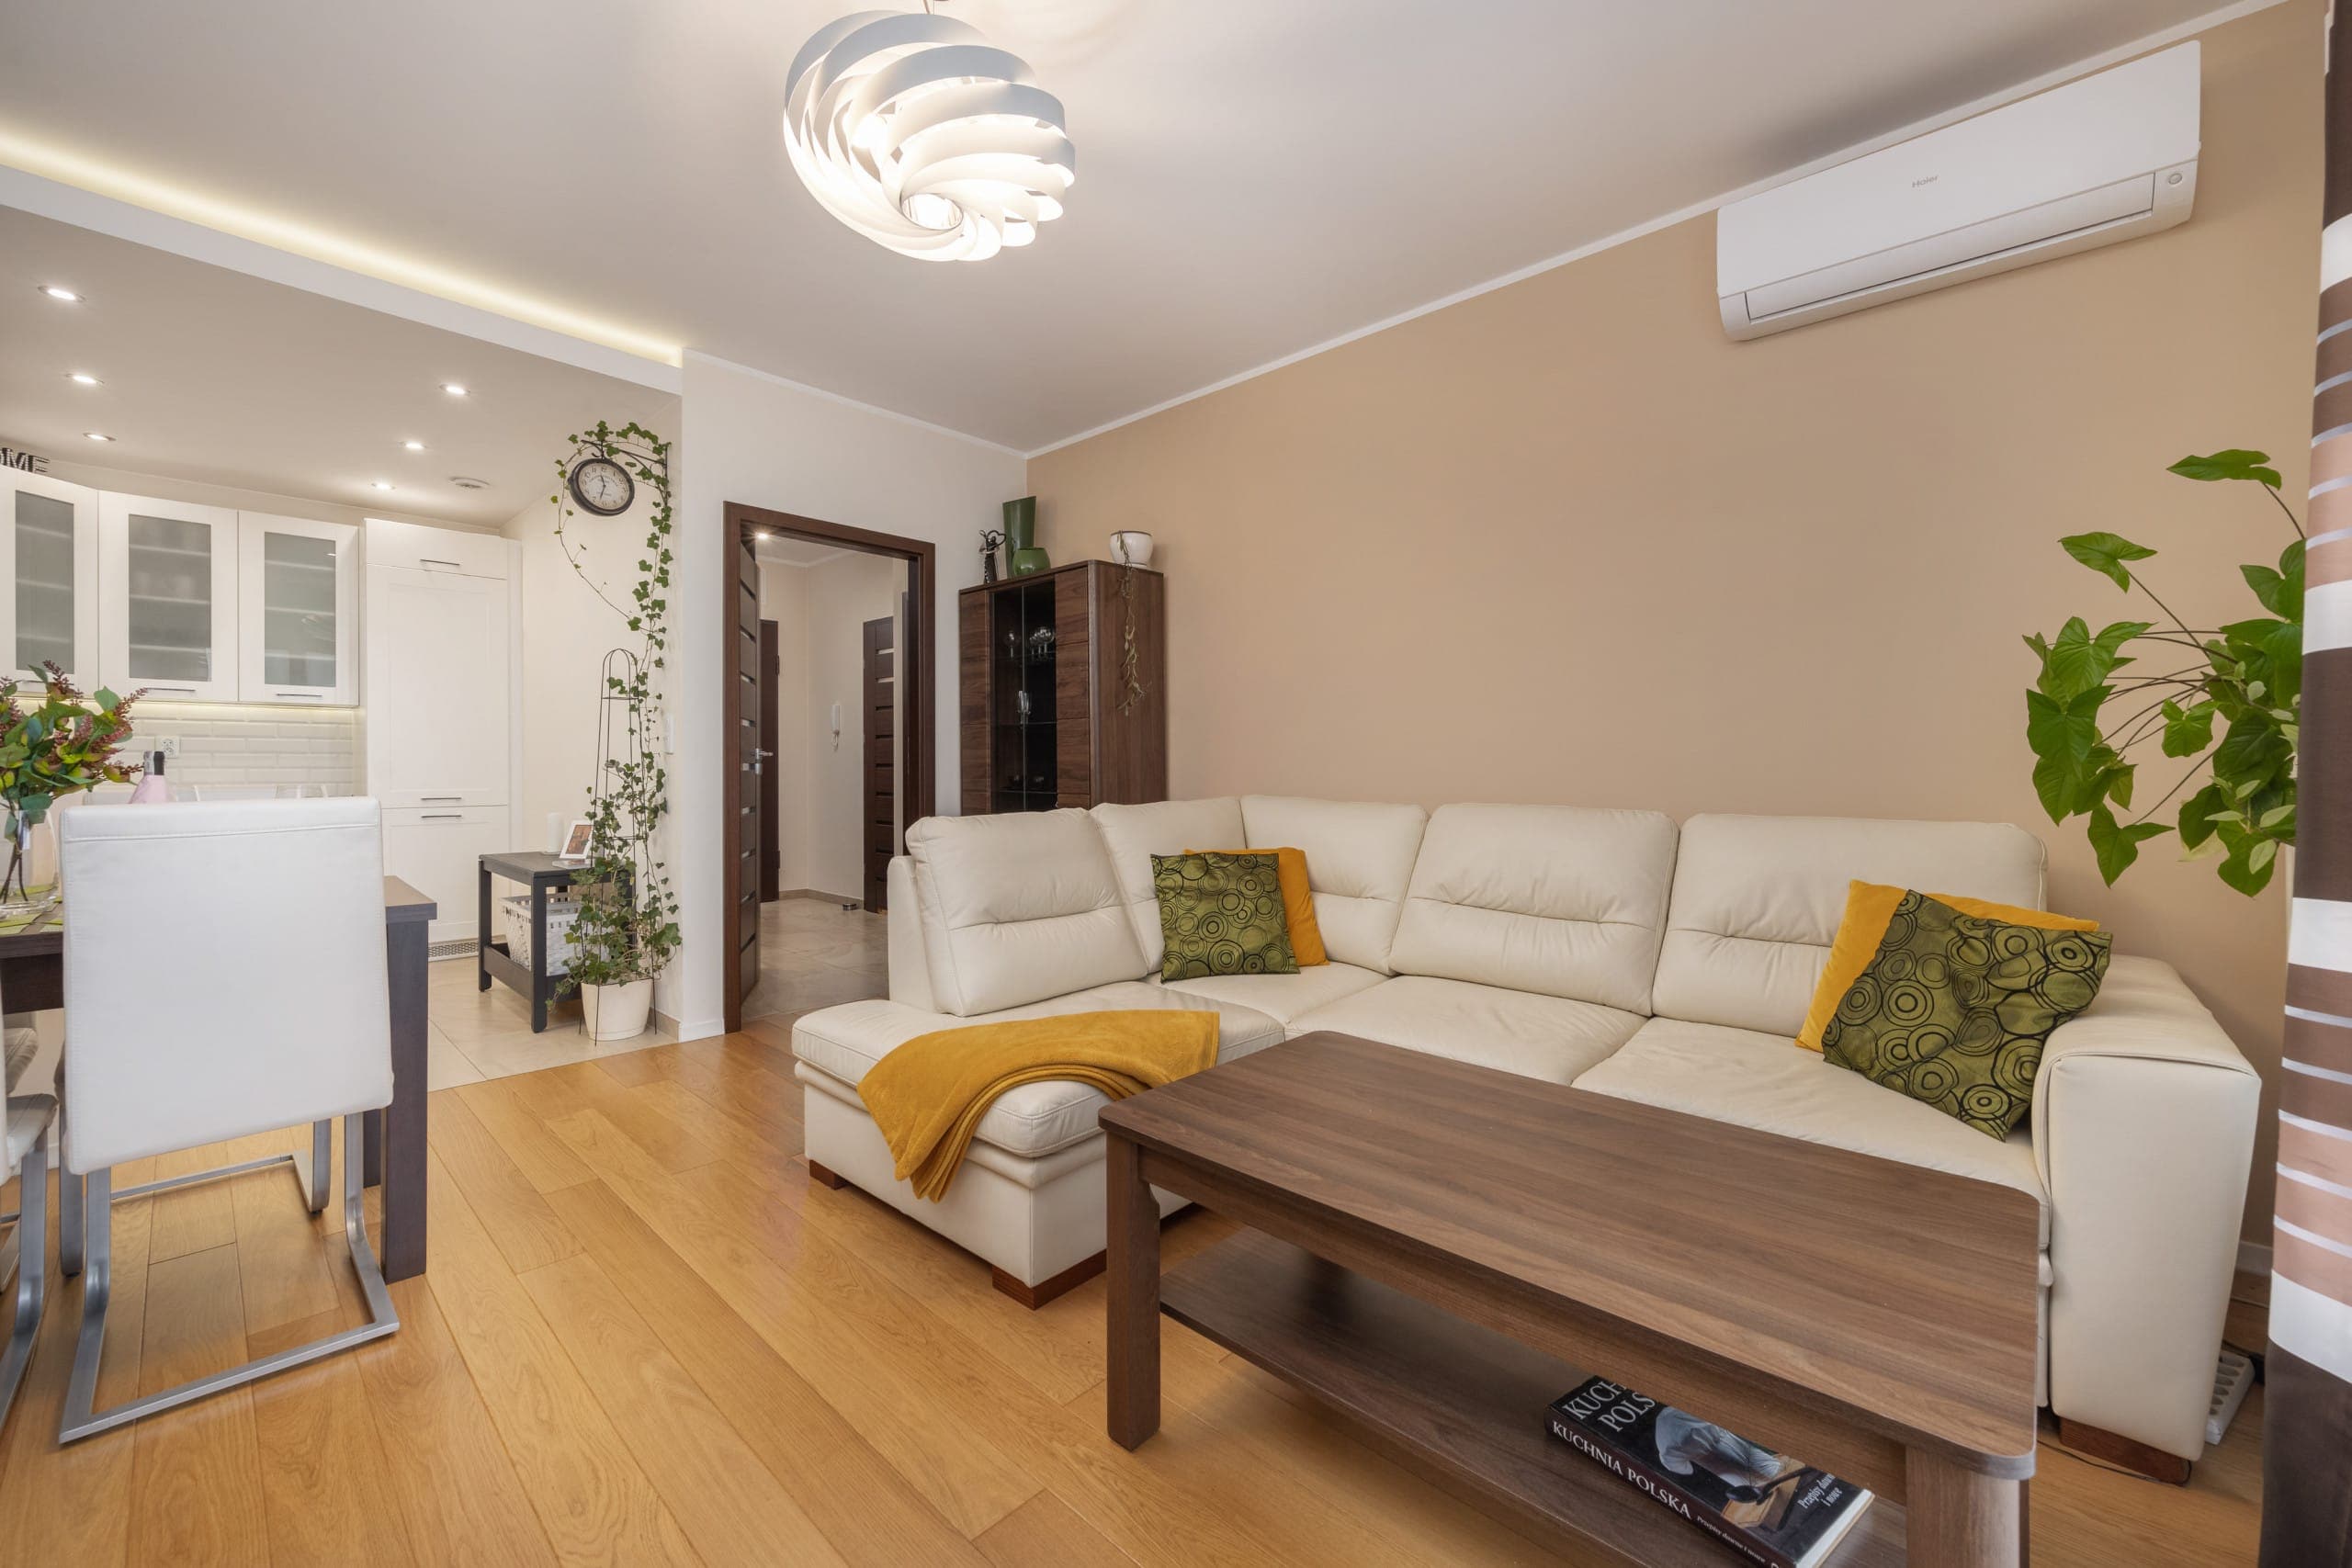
x=626, y=929
x=2087, y=723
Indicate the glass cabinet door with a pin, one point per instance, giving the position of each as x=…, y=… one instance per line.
x=296, y=611
x=49, y=551
x=170, y=590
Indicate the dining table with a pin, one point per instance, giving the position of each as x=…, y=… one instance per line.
x=32, y=979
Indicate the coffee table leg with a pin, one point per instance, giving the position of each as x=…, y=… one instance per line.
x=1131, y=1245
x=1962, y=1519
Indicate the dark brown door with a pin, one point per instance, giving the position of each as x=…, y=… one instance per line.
x=747, y=833
x=771, y=802
x=881, y=758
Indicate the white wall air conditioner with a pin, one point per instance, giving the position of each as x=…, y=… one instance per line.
x=2107, y=158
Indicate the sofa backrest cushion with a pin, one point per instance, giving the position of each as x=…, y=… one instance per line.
x=1557, y=899
x=1359, y=862
x=1757, y=900
x=1017, y=908
x=1133, y=834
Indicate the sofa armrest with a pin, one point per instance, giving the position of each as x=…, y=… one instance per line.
x=2144, y=1117
x=909, y=968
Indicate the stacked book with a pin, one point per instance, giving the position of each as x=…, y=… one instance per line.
x=1770, y=1508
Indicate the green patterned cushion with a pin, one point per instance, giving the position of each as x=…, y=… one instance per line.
x=1954, y=1009
x=1222, y=914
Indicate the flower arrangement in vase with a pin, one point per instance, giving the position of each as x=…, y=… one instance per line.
x=61, y=744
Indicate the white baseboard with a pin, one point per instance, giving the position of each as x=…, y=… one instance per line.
x=2253, y=1257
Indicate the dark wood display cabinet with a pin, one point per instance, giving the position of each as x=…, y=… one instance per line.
x=1049, y=711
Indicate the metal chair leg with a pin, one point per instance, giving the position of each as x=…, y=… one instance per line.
x=82, y=1421
x=69, y=1215
x=320, y=1186
x=32, y=1267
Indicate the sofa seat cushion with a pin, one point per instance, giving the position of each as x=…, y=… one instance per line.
x=1516, y=1032
x=843, y=1043
x=1284, y=996
x=1763, y=1081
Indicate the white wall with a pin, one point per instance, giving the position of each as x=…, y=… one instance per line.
x=751, y=438
x=820, y=612
x=566, y=632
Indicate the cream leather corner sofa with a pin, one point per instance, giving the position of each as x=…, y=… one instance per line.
x=1610, y=950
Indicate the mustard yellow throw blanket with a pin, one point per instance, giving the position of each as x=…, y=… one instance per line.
x=929, y=1095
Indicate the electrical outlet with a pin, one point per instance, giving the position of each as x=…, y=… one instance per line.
x=169, y=746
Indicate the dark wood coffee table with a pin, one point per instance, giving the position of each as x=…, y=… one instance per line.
x=1437, y=1249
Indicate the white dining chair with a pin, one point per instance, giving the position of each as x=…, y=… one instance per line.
x=225, y=975
x=26, y=1123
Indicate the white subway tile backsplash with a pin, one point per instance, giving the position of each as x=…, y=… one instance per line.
x=227, y=745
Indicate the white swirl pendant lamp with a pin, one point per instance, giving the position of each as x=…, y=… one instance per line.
x=914, y=132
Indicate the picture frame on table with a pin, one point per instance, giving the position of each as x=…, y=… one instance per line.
x=576, y=843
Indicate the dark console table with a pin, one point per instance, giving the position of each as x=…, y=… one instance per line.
x=542, y=873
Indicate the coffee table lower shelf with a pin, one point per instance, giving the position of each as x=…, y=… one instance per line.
x=1452, y=1395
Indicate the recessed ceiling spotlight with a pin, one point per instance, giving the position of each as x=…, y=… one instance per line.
x=96, y=435
x=467, y=482
x=61, y=294
x=379, y=484
x=761, y=534
x=455, y=389
x=82, y=378
x=414, y=446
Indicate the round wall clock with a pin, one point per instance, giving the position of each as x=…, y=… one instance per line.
x=603, y=487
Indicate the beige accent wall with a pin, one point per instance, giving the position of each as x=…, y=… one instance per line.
x=1566, y=542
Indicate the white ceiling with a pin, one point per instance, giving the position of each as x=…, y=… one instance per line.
x=794, y=552
x=1255, y=176
x=210, y=376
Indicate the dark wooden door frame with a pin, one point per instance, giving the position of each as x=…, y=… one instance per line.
x=771, y=742
x=917, y=674
x=872, y=881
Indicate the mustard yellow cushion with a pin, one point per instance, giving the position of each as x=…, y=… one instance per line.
x=1298, y=904
x=1869, y=909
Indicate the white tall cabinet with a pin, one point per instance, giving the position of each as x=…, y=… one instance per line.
x=438, y=665
x=49, y=561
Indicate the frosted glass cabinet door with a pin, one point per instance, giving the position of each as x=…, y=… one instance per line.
x=168, y=589
x=297, y=611
x=49, y=562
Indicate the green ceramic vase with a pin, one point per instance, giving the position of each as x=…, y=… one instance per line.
x=1022, y=555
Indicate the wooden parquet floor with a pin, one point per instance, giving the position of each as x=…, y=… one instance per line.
x=647, y=1338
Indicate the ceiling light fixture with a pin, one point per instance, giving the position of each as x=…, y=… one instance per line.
x=83, y=379
x=96, y=435
x=915, y=132
x=65, y=295
x=379, y=484
x=453, y=388
x=414, y=446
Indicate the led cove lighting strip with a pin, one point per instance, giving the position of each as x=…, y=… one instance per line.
x=298, y=239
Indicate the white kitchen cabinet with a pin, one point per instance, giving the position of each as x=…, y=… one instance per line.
x=434, y=549
x=437, y=849
x=297, y=611
x=439, y=688
x=49, y=558
x=167, y=597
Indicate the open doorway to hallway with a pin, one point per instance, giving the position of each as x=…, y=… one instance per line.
x=829, y=706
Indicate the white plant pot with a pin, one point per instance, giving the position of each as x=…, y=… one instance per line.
x=1131, y=547
x=616, y=1012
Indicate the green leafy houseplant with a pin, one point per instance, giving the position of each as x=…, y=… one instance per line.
x=628, y=926
x=2230, y=708
x=57, y=744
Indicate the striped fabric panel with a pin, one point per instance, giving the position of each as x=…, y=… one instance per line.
x=2307, y=1459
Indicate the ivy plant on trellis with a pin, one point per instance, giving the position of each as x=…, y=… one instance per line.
x=2245, y=678
x=628, y=925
